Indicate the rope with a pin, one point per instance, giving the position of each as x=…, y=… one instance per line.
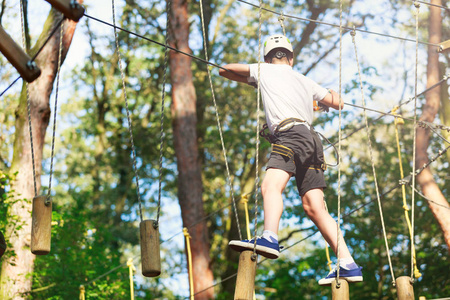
x=405, y=206
x=439, y=126
x=219, y=126
x=383, y=114
x=10, y=86
x=158, y=43
x=432, y=4
x=119, y=62
x=437, y=133
x=429, y=200
x=268, y=10
x=130, y=125
x=258, y=96
x=200, y=221
x=28, y=104
x=402, y=181
x=353, y=33
x=281, y=20
x=131, y=270
x=189, y=255
x=441, y=152
x=445, y=78
x=417, y=5
x=82, y=292
x=339, y=148
x=39, y=50
x=244, y=200
x=338, y=26
x=56, y=107
x=417, y=172
x=163, y=95
x=433, y=159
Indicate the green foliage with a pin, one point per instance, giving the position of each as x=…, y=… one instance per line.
x=10, y=224
x=78, y=256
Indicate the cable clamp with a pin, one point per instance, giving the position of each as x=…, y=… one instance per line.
x=353, y=32
x=31, y=65
x=48, y=201
x=422, y=124
x=405, y=180
x=74, y=4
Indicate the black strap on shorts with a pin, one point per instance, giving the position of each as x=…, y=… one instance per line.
x=283, y=150
x=322, y=167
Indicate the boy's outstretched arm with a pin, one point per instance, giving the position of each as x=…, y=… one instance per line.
x=236, y=72
x=332, y=100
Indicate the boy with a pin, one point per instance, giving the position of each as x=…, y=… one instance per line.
x=288, y=98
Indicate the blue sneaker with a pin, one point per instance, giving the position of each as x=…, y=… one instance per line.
x=352, y=275
x=263, y=247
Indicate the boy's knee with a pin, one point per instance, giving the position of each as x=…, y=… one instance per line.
x=313, y=210
x=309, y=210
x=269, y=187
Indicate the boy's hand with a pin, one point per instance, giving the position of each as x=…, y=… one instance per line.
x=323, y=107
x=253, y=84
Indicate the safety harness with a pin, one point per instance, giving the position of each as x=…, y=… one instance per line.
x=285, y=125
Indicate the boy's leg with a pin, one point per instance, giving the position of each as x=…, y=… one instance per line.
x=272, y=188
x=314, y=206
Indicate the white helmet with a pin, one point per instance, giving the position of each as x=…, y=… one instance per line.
x=277, y=41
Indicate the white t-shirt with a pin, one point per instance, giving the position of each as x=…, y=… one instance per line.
x=286, y=93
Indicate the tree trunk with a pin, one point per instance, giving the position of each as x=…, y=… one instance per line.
x=16, y=270
x=444, y=111
x=185, y=141
x=425, y=179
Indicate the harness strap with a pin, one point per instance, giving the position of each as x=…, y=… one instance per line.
x=283, y=150
x=288, y=123
x=285, y=125
x=322, y=167
x=267, y=135
x=286, y=151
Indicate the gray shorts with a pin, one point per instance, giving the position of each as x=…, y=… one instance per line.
x=306, y=163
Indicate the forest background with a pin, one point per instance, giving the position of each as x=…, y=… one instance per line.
x=95, y=204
